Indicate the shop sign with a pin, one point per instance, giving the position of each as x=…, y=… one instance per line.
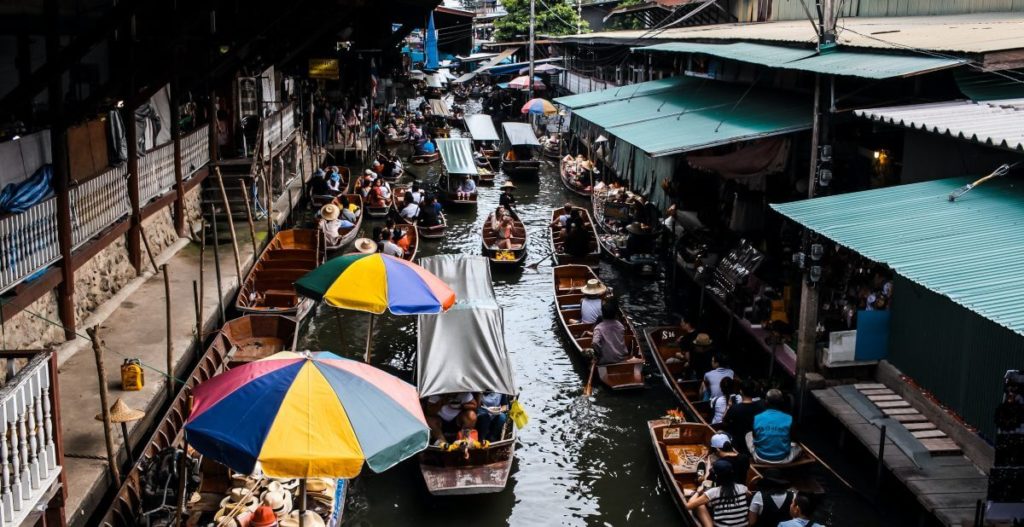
x=323, y=69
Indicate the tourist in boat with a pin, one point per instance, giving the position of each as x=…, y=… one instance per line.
x=724, y=504
x=563, y=219
x=365, y=190
x=575, y=237
x=771, y=439
x=365, y=246
x=590, y=306
x=700, y=357
x=410, y=210
x=318, y=185
x=387, y=246
x=739, y=418
x=770, y=505
x=334, y=181
x=416, y=193
x=609, y=340
x=396, y=167
x=506, y=199
x=710, y=387
x=377, y=167
x=466, y=189
x=450, y=413
x=496, y=217
x=491, y=415
x=331, y=223
x=720, y=405
x=802, y=508
x=429, y=214
x=505, y=231
x=723, y=449
x=369, y=175
x=349, y=211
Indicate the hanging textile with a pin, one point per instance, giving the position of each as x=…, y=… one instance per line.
x=20, y=158
x=19, y=197
x=430, y=46
x=749, y=163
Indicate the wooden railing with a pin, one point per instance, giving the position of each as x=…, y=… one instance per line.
x=156, y=172
x=29, y=445
x=28, y=242
x=99, y=203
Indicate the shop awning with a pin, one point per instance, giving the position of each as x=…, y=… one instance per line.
x=481, y=127
x=463, y=349
x=838, y=62
x=698, y=114
x=993, y=123
x=582, y=100
x=433, y=80
x=969, y=250
x=457, y=155
x=438, y=107
x=520, y=134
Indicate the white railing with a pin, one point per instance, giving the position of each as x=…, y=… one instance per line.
x=28, y=453
x=99, y=203
x=278, y=128
x=195, y=151
x=156, y=172
x=581, y=84
x=28, y=242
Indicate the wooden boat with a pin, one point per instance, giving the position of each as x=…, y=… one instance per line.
x=506, y=258
x=485, y=177
x=662, y=341
x=414, y=241
x=255, y=337
x=593, y=258
x=567, y=181
x=270, y=285
x=425, y=159
x=382, y=211
x=346, y=180
x=348, y=235
x=550, y=152
x=428, y=233
x=449, y=195
x=679, y=447
x=484, y=472
x=396, y=140
x=568, y=280
x=518, y=160
x=435, y=232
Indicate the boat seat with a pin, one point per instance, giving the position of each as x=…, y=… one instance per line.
x=684, y=458
x=279, y=298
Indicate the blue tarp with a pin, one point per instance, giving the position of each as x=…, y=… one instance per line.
x=430, y=46
x=19, y=197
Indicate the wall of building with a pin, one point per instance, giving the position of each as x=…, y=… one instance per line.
x=928, y=156
x=957, y=355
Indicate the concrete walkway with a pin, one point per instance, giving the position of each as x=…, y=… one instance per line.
x=132, y=324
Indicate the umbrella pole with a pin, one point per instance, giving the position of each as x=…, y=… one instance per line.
x=369, y=338
x=302, y=502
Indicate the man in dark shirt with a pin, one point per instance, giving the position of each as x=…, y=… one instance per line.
x=506, y=199
x=739, y=419
x=318, y=184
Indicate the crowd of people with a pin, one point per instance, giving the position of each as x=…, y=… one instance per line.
x=467, y=417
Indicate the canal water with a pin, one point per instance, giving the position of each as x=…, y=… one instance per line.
x=580, y=461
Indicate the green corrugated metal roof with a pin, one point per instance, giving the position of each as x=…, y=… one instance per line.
x=969, y=250
x=836, y=62
x=698, y=114
x=457, y=155
x=583, y=100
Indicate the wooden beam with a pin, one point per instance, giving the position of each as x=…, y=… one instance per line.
x=179, y=187
x=29, y=293
x=134, y=241
x=93, y=247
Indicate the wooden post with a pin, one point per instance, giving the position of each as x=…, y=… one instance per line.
x=248, y=216
x=97, y=349
x=61, y=178
x=179, y=185
x=214, y=129
x=170, y=343
x=231, y=223
x=135, y=219
x=270, y=203
x=202, y=273
x=216, y=269
x=198, y=301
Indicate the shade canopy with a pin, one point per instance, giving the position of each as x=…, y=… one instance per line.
x=969, y=250
x=376, y=283
x=539, y=107
x=457, y=155
x=523, y=83
x=464, y=350
x=438, y=107
x=520, y=134
x=306, y=415
x=481, y=127
x=583, y=100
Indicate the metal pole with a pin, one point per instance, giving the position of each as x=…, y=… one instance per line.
x=533, y=22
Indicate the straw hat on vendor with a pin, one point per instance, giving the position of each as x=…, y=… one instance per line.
x=507, y=185
x=330, y=212
x=365, y=246
x=594, y=287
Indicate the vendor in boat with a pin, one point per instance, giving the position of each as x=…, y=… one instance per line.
x=387, y=246
x=480, y=159
x=448, y=414
x=639, y=240
x=492, y=415
x=771, y=440
x=506, y=199
x=331, y=223
x=429, y=214
x=609, y=340
x=466, y=189
x=410, y=209
x=724, y=503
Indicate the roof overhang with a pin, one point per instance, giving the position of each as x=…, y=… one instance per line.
x=998, y=123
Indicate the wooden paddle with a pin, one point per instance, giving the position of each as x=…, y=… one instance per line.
x=533, y=266
x=589, y=388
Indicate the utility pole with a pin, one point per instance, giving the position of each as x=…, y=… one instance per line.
x=579, y=17
x=820, y=176
x=533, y=22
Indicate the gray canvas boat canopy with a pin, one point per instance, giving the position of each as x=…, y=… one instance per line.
x=481, y=127
x=520, y=134
x=463, y=349
x=457, y=155
x=438, y=106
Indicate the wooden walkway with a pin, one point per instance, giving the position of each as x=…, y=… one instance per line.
x=947, y=486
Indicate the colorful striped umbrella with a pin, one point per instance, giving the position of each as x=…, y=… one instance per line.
x=539, y=107
x=376, y=283
x=306, y=415
x=523, y=83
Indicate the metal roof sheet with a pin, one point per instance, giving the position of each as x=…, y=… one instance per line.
x=583, y=100
x=970, y=33
x=457, y=155
x=968, y=250
x=994, y=123
x=481, y=127
x=699, y=114
x=836, y=62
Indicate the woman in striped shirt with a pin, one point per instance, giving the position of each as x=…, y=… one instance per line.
x=724, y=505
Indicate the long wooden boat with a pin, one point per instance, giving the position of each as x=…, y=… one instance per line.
x=348, y=235
x=254, y=337
x=493, y=156
x=434, y=232
x=428, y=233
x=485, y=177
x=593, y=257
x=568, y=280
x=662, y=341
x=382, y=211
x=519, y=137
x=346, y=180
x=450, y=195
x=519, y=168
x=270, y=285
x=679, y=447
x=425, y=159
x=569, y=183
x=504, y=258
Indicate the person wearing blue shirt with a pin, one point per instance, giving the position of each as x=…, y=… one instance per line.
x=770, y=441
x=801, y=509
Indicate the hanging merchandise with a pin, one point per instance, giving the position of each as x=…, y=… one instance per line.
x=133, y=378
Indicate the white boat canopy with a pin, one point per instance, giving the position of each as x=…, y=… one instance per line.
x=520, y=134
x=481, y=127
